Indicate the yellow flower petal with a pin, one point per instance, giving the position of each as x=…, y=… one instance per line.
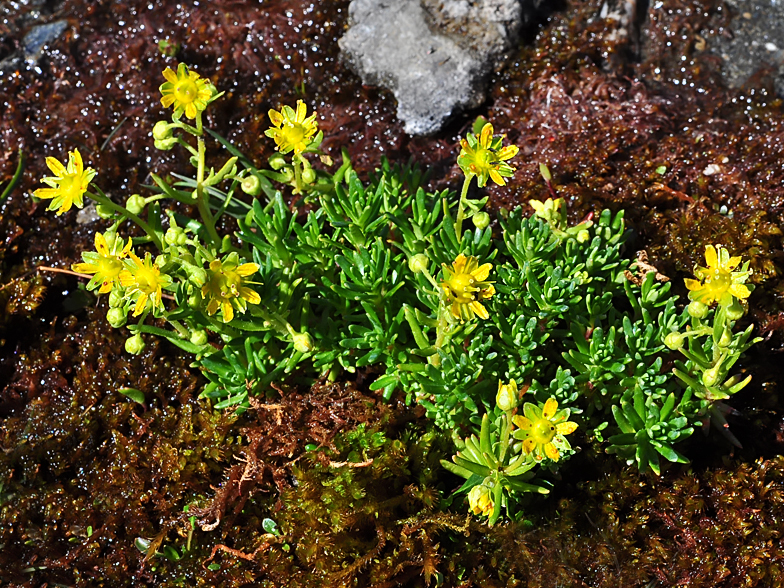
x=302, y=111
x=528, y=446
x=550, y=408
x=482, y=272
x=170, y=76
x=739, y=291
x=76, y=158
x=83, y=268
x=46, y=193
x=732, y=263
x=496, y=177
x=275, y=117
x=228, y=312
x=551, y=451
x=480, y=310
x=246, y=269
x=141, y=302
x=250, y=295
x=212, y=307
x=523, y=422
x=508, y=152
x=57, y=168
x=486, y=135
x=711, y=258
x=100, y=245
x=565, y=428
x=692, y=284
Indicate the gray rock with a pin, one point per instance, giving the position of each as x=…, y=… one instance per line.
x=38, y=37
x=434, y=55
x=757, y=41
x=33, y=45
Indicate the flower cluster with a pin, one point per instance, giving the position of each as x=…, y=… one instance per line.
x=186, y=90
x=68, y=185
x=344, y=283
x=465, y=285
x=542, y=429
x=484, y=157
x=292, y=130
x=225, y=287
x=718, y=283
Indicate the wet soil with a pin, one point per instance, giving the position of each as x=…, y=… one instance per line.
x=91, y=482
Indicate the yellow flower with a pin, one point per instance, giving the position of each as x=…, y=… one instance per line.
x=186, y=90
x=717, y=282
x=144, y=281
x=542, y=429
x=224, y=288
x=291, y=130
x=68, y=185
x=465, y=285
x=484, y=158
x=105, y=262
x=480, y=501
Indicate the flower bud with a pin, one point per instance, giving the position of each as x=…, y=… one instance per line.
x=303, y=342
x=308, y=175
x=175, y=236
x=161, y=131
x=711, y=377
x=196, y=275
x=116, y=317
x=726, y=337
x=104, y=211
x=165, y=144
x=674, y=341
x=251, y=185
x=735, y=310
x=110, y=237
x=480, y=501
x=115, y=298
x=161, y=260
x=506, y=399
x=194, y=300
x=199, y=337
x=697, y=309
x=481, y=220
x=418, y=263
x=277, y=161
x=583, y=236
x=287, y=173
x=134, y=345
x=135, y=204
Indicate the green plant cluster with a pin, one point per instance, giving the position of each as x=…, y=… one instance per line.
x=499, y=332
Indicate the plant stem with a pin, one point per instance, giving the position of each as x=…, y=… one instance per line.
x=461, y=208
x=202, y=197
x=104, y=200
x=297, y=175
